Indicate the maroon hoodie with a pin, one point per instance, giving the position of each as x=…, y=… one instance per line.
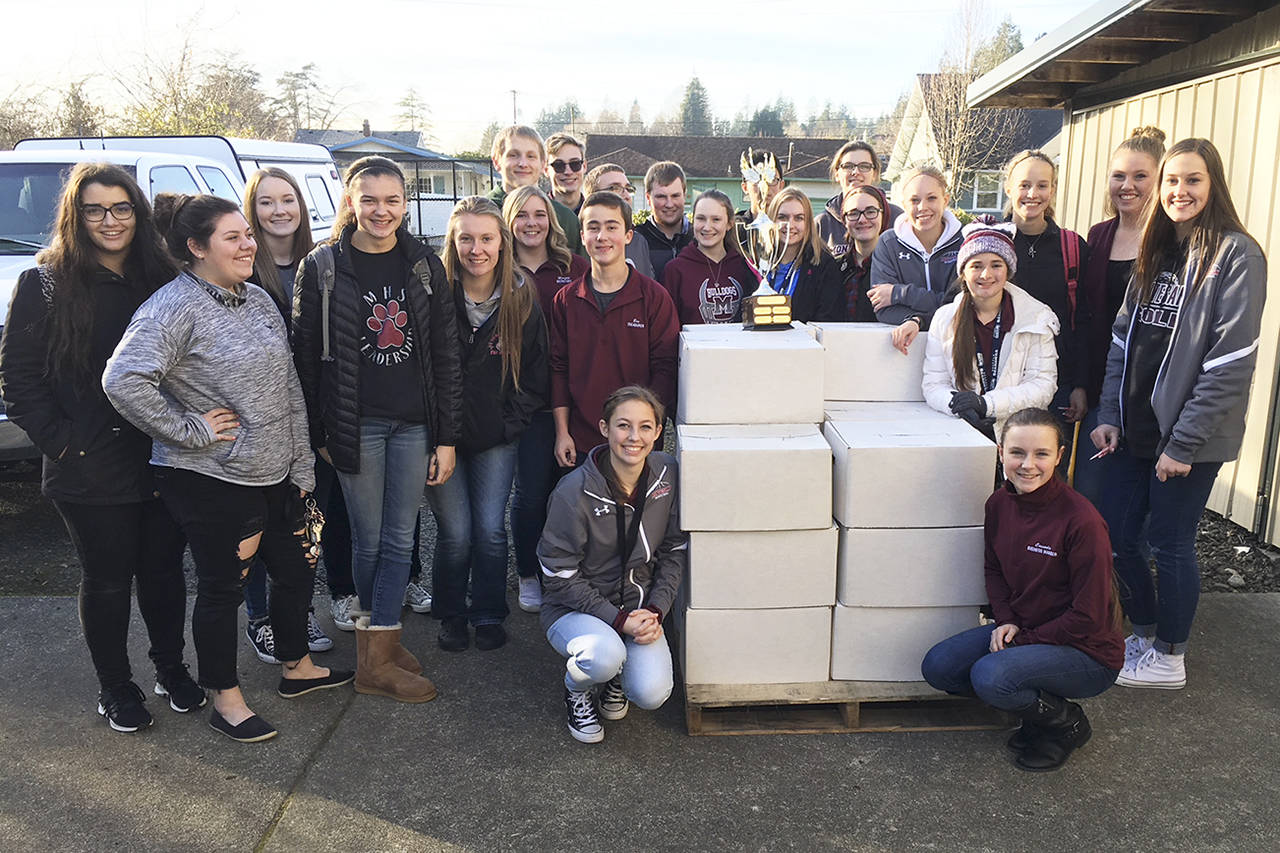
x=594, y=354
x=550, y=278
x=1048, y=568
x=705, y=291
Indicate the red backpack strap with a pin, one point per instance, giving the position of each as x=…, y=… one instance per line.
x=1070, y=268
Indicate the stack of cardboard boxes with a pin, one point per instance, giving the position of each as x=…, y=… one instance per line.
x=776, y=593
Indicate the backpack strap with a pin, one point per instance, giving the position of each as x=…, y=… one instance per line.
x=1070, y=242
x=422, y=270
x=46, y=283
x=325, y=274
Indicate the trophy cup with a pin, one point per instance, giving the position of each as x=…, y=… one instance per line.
x=766, y=308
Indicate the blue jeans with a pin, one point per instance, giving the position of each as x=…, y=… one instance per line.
x=1170, y=510
x=596, y=652
x=1010, y=679
x=537, y=473
x=382, y=502
x=470, y=509
x=1089, y=475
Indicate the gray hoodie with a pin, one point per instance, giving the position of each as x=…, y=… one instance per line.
x=578, y=551
x=193, y=347
x=1202, y=388
x=921, y=278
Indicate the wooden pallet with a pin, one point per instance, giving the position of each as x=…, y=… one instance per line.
x=832, y=706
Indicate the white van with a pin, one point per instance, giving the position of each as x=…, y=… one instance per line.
x=311, y=165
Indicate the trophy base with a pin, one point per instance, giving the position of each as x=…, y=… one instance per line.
x=767, y=312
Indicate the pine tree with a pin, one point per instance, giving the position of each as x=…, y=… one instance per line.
x=695, y=111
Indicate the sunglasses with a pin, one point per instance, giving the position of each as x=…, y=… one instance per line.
x=574, y=165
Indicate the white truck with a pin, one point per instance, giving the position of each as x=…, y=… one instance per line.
x=32, y=176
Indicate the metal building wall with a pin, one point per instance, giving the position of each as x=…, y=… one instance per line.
x=1239, y=110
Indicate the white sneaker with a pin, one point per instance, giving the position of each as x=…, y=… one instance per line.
x=530, y=595
x=584, y=723
x=341, y=609
x=416, y=598
x=1135, y=647
x=1155, y=669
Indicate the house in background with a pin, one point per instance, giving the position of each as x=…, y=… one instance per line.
x=998, y=135
x=1207, y=68
x=712, y=162
x=434, y=182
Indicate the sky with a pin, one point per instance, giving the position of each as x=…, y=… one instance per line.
x=464, y=57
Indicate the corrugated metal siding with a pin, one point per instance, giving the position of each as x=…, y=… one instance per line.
x=1240, y=111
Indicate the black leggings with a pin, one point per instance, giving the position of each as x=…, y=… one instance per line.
x=216, y=517
x=116, y=543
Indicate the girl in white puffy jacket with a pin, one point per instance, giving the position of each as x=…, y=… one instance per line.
x=990, y=352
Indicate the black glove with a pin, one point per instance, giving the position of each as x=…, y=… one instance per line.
x=967, y=401
x=986, y=426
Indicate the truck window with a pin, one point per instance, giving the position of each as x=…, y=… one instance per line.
x=219, y=184
x=173, y=179
x=320, y=193
x=29, y=195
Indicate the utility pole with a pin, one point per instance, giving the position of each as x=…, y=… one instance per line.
x=514, y=120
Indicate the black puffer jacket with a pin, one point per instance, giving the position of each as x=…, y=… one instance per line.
x=332, y=388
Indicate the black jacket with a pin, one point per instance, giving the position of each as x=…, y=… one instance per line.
x=92, y=455
x=819, y=295
x=663, y=249
x=332, y=388
x=494, y=412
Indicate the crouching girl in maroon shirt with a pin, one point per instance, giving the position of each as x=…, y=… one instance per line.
x=1049, y=580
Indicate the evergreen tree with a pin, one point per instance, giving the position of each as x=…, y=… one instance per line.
x=695, y=111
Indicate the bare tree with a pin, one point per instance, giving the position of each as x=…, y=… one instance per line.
x=21, y=115
x=415, y=115
x=305, y=103
x=77, y=115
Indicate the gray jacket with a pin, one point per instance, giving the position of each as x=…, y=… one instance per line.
x=579, y=546
x=1202, y=387
x=920, y=278
x=192, y=347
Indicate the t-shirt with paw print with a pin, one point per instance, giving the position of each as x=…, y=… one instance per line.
x=390, y=376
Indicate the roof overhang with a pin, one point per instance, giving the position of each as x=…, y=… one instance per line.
x=1101, y=42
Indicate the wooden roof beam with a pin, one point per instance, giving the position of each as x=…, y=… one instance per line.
x=1236, y=9
x=1152, y=28
x=1110, y=54
x=1073, y=72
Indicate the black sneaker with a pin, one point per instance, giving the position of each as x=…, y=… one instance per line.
x=123, y=707
x=490, y=637
x=584, y=722
x=613, y=700
x=453, y=636
x=263, y=640
x=176, y=683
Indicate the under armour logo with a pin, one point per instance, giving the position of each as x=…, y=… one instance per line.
x=904, y=256
x=601, y=510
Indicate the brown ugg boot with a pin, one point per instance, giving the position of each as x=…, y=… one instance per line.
x=376, y=670
x=404, y=659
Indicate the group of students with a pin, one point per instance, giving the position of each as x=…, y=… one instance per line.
x=187, y=387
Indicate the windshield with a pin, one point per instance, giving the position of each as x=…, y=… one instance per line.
x=28, y=203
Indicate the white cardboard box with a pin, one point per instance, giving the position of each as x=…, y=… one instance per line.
x=754, y=477
x=729, y=375
x=843, y=410
x=910, y=473
x=862, y=364
x=888, y=643
x=763, y=569
x=777, y=646
x=911, y=567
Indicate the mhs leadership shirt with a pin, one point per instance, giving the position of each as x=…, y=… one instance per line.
x=1152, y=330
x=390, y=376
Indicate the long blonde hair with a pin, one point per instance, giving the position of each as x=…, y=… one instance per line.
x=264, y=266
x=812, y=248
x=557, y=242
x=516, y=300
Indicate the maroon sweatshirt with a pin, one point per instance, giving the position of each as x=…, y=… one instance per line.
x=705, y=291
x=594, y=354
x=1048, y=569
x=550, y=278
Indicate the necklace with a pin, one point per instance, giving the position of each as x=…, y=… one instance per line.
x=1031, y=244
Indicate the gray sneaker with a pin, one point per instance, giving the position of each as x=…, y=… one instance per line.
x=416, y=598
x=341, y=609
x=317, y=639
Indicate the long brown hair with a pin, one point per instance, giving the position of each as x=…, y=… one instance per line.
x=964, y=348
x=72, y=260
x=1160, y=239
x=557, y=243
x=731, y=243
x=516, y=294
x=372, y=166
x=264, y=266
x=812, y=248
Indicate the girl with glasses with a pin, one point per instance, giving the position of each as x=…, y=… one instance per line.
x=866, y=215
x=854, y=165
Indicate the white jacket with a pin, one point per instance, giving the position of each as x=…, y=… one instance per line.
x=1028, y=368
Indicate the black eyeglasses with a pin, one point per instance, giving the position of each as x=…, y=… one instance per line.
x=574, y=165
x=864, y=168
x=121, y=211
x=855, y=215
x=618, y=189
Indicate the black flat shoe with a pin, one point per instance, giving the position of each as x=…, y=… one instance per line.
x=453, y=636
x=251, y=730
x=292, y=687
x=490, y=637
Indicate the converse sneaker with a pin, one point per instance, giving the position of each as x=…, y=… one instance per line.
x=263, y=641
x=317, y=639
x=584, y=724
x=530, y=595
x=122, y=705
x=613, y=701
x=176, y=683
x=1155, y=669
x=1135, y=647
x=341, y=608
x=416, y=598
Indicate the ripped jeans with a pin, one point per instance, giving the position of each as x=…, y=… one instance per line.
x=217, y=517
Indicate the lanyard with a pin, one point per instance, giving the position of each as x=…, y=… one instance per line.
x=627, y=538
x=788, y=284
x=989, y=380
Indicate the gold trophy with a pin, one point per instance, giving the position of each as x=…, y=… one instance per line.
x=766, y=308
